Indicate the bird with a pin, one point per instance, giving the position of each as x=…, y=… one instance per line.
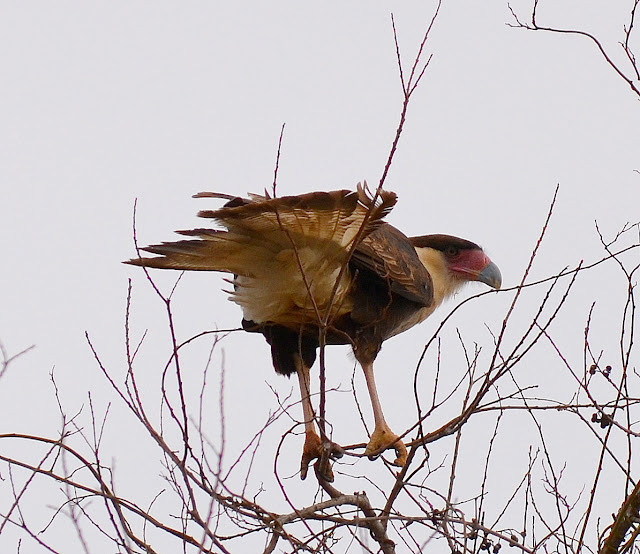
x=324, y=268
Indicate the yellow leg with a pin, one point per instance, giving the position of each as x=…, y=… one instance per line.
x=314, y=448
x=382, y=437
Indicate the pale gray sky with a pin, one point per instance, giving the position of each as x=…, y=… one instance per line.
x=102, y=103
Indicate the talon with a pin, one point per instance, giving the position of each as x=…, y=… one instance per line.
x=323, y=469
x=312, y=449
x=324, y=452
x=401, y=453
x=382, y=439
x=334, y=449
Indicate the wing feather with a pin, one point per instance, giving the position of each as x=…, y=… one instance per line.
x=259, y=227
x=306, y=219
x=389, y=254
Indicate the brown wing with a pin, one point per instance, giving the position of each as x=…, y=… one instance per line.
x=389, y=255
x=335, y=216
x=260, y=227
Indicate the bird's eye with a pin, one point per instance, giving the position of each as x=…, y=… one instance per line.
x=452, y=251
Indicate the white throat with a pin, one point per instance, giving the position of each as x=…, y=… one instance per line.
x=445, y=283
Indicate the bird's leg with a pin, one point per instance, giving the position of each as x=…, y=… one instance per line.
x=314, y=446
x=382, y=436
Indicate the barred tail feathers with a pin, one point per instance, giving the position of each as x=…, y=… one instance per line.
x=214, y=251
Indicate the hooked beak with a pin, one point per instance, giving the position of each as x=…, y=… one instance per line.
x=490, y=275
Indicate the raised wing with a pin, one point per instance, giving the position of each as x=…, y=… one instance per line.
x=335, y=216
x=326, y=223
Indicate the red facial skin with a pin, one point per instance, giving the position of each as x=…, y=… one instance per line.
x=474, y=265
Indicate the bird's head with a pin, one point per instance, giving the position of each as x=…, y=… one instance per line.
x=452, y=262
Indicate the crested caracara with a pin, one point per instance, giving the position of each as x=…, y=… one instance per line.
x=325, y=267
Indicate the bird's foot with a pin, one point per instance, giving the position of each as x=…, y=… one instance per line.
x=323, y=451
x=382, y=439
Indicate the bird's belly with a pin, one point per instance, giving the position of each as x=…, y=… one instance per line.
x=280, y=292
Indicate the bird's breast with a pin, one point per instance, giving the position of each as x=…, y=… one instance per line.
x=410, y=320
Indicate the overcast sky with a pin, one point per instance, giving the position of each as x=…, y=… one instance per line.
x=105, y=103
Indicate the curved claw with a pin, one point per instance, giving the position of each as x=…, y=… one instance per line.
x=382, y=439
x=401, y=453
x=333, y=450
x=324, y=452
